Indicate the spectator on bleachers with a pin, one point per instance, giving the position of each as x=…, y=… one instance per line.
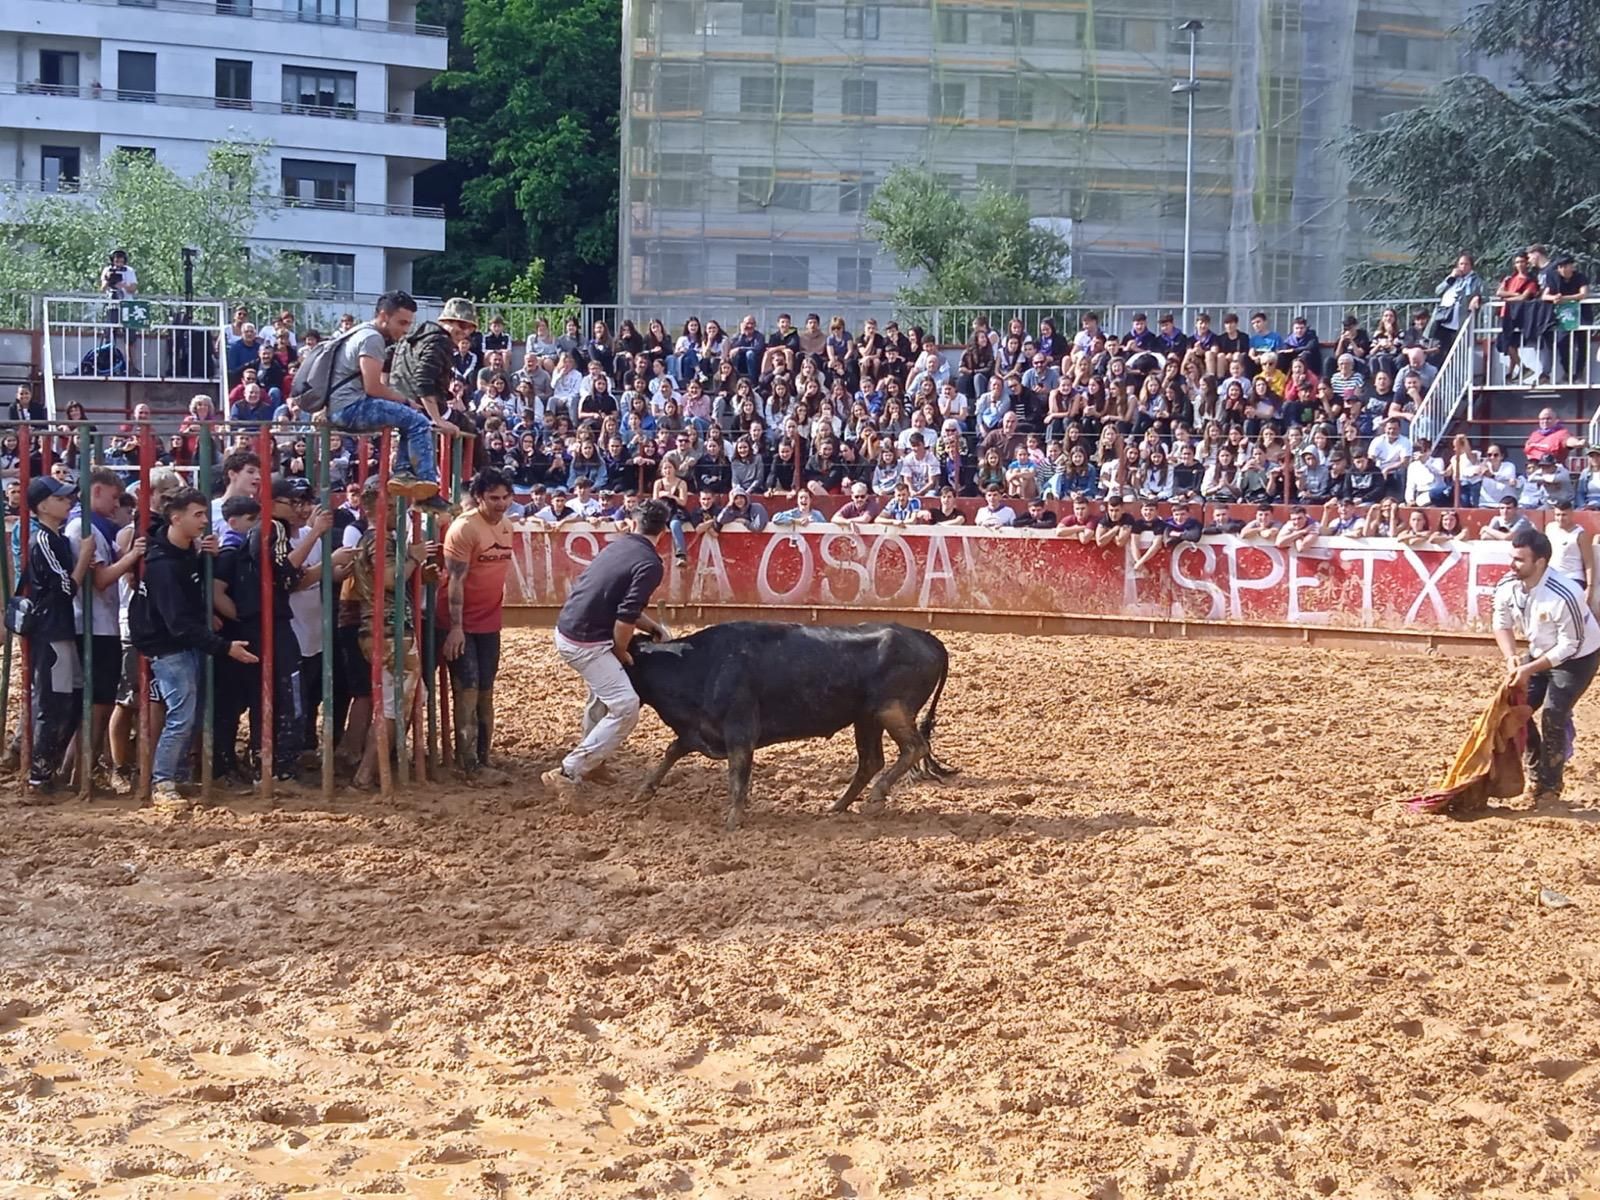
x=994, y=513
x=1460, y=296
x=803, y=513
x=1498, y=478
x=1507, y=520
x=1347, y=521
x=1547, y=482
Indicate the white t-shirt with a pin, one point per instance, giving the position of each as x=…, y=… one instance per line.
x=305, y=608
x=106, y=616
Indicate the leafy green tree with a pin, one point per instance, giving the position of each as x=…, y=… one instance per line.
x=1485, y=168
x=983, y=251
x=56, y=244
x=531, y=99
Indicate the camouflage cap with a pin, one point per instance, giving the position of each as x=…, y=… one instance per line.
x=458, y=308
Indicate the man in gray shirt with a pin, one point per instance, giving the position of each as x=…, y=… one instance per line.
x=361, y=401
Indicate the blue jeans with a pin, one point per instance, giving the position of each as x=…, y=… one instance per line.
x=177, y=681
x=372, y=415
x=680, y=544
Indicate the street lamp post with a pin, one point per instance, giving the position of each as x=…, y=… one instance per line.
x=1188, y=87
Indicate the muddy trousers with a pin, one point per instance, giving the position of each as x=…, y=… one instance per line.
x=472, y=677
x=57, y=705
x=1552, y=695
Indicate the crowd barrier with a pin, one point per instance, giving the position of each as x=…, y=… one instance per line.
x=396, y=525
x=1373, y=583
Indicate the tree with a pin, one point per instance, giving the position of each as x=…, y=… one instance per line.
x=131, y=202
x=1488, y=169
x=987, y=250
x=531, y=100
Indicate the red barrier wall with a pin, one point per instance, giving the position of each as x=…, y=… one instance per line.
x=1375, y=583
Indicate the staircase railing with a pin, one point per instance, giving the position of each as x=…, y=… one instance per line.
x=1451, y=388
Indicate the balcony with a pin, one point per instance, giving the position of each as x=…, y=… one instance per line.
x=256, y=12
x=406, y=227
x=239, y=26
x=96, y=109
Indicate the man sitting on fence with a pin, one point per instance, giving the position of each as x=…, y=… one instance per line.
x=360, y=401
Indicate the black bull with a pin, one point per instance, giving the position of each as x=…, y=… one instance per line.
x=731, y=688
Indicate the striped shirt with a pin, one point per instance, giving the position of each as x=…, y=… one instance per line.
x=1553, y=616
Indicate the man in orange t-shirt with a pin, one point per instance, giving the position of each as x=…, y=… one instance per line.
x=477, y=555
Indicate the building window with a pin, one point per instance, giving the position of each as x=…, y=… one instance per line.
x=1108, y=33
x=681, y=88
x=797, y=95
x=324, y=12
x=860, y=98
x=59, y=168
x=680, y=180
x=855, y=276
x=1016, y=28
x=856, y=194
x=318, y=184
x=678, y=270
x=682, y=16
x=772, y=273
x=145, y=154
x=306, y=89
x=950, y=25
x=325, y=273
x=861, y=21
x=234, y=8
x=58, y=68
x=758, y=94
x=233, y=83
x=1014, y=102
x=763, y=18
x=759, y=189
x=136, y=76
x=947, y=100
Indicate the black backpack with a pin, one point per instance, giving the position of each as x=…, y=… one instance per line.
x=144, y=631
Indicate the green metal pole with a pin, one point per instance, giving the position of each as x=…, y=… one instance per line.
x=86, y=598
x=324, y=444
x=402, y=765
x=208, y=681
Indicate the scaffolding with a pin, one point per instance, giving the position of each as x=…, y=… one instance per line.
x=754, y=133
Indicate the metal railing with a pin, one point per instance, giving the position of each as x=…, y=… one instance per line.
x=1450, y=390
x=94, y=91
x=244, y=8
x=132, y=340
x=260, y=199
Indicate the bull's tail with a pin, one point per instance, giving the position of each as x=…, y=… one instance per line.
x=930, y=767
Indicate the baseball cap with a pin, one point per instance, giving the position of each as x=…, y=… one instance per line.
x=291, y=489
x=1547, y=460
x=42, y=488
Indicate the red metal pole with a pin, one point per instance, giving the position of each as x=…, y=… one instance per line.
x=447, y=737
x=419, y=741
x=362, y=465
x=47, y=445
x=24, y=455
x=268, y=533
x=380, y=729
x=146, y=742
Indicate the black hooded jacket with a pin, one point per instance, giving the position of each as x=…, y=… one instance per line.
x=178, y=610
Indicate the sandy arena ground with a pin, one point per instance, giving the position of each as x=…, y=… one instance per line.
x=1166, y=935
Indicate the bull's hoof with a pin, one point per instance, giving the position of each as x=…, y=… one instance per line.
x=644, y=795
x=842, y=804
x=732, y=821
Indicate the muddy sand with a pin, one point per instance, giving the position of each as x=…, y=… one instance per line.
x=1166, y=935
